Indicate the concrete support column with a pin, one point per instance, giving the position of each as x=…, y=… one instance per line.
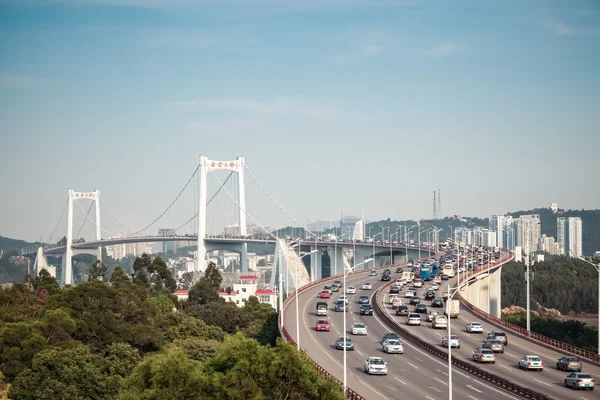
x=398, y=258
x=496, y=293
x=337, y=258
x=316, y=267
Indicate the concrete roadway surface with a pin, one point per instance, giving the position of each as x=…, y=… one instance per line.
x=550, y=381
x=415, y=374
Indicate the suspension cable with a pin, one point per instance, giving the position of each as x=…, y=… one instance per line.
x=114, y=215
x=93, y=222
x=238, y=204
x=85, y=220
x=170, y=205
x=277, y=203
x=57, y=223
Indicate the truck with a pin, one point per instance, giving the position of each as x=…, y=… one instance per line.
x=407, y=276
x=321, y=308
x=453, y=308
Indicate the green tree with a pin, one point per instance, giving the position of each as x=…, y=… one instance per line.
x=45, y=281
x=186, y=281
x=19, y=303
x=225, y=315
x=120, y=359
x=19, y=343
x=57, y=326
x=206, y=289
x=195, y=348
x=97, y=272
x=119, y=278
x=73, y=373
x=183, y=326
x=153, y=275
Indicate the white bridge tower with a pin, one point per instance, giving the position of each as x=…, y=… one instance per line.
x=207, y=166
x=67, y=264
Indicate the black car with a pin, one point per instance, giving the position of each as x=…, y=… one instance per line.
x=437, y=303
x=445, y=277
x=394, y=289
x=421, y=308
x=415, y=300
x=385, y=277
x=399, y=270
x=366, y=309
x=335, y=288
x=402, y=310
x=387, y=271
x=390, y=335
x=430, y=294
x=363, y=300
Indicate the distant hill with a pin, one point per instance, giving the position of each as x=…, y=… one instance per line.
x=8, y=244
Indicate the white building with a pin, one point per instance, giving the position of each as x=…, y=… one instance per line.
x=528, y=233
x=502, y=225
x=549, y=245
x=120, y=251
x=232, y=230
x=554, y=207
x=562, y=234
x=575, y=233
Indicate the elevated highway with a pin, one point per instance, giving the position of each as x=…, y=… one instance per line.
x=414, y=374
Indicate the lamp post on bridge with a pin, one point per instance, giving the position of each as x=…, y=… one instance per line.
x=335, y=253
x=377, y=234
x=297, y=310
x=406, y=235
x=598, y=270
x=391, y=256
x=365, y=262
x=453, y=293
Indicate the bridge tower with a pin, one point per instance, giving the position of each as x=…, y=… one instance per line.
x=207, y=166
x=67, y=264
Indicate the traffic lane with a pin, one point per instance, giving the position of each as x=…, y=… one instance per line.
x=431, y=367
x=506, y=366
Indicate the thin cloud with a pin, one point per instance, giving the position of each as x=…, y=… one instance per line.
x=561, y=29
x=277, y=107
x=443, y=50
x=18, y=81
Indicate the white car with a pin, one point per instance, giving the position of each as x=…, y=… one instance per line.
x=392, y=346
x=375, y=365
x=446, y=294
x=454, y=341
x=474, y=327
x=437, y=279
x=367, y=286
x=531, y=362
x=439, y=321
x=342, y=297
x=398, y=301
x=393, y=298
x=359, y=329
x=435, y=286
x=432, y=314
x=418, y=283
x=350, y=290
x=409, y=293
x=413, y=319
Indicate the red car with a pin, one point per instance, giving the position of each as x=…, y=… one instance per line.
x=323, y=325
x=325, y=294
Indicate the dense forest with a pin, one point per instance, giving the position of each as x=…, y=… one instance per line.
x=121, y=337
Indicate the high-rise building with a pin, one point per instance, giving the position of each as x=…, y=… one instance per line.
x=503, y=226
x=562, y=234
x=166, y=246
x=528, y=233
x=549, y=245
x=575, y=231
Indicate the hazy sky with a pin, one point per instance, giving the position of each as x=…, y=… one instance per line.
x=338, y=105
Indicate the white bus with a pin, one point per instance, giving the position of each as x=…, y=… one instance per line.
x=448, y=270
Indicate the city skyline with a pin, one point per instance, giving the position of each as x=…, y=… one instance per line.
x=336, y=105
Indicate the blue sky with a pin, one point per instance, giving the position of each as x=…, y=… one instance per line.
x=338, y=105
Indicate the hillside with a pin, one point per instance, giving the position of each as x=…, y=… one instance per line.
x=8, y=244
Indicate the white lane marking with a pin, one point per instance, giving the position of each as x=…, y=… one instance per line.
x=505, y=366
x=582, y=398
x=332, y=325
x=417, y=358
x=436, y=389
x=359, y=352
x=543, y=383
x=438, y=361
x=440, y=381
x=400, y=380
x=338, y=332
x=509, y=354
x=441, y=372
x=439, y=334
x=471, y=387
x=430, y=398
x=474, y=398
x=414, y=366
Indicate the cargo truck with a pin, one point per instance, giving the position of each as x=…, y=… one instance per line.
x=321, y=308
x=453, y=308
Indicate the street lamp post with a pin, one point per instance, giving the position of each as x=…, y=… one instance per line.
x=453, y=293
x=335, y=253
x=391, y=256
x=365, y=262
x=406, y=232
x=377, y=234
x=297, y=311
x=598, y=270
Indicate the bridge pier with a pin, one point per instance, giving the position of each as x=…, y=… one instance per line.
x=477, y=293
x=339, y=261
x=316, y=264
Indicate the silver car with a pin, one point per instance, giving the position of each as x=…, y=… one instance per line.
x=580, y=380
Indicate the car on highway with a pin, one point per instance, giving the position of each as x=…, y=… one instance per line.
x=387, y=271
x=350, y=290
x=366, y=309
x=399, y=270
x=528, y=362
x=335, y=287
x=446, y=294
x=484, y=355
x=429, y=294
x=363, y=300
x=580, y=380
x=398, y=301
x=375, y=365
x=339, y=343
x=474, y=327
x=390, y=335
x=341, y=305
x=328, y=288
x=394, y=289
x=344, y=298
x=444, y=277
x=569, y=363
x=409, y=293
x=402, y=310
x=418, y=282
x=439, y=321
x=325, y=294
x=400, y=282
x=437, y=279
x=454, y=341
x=373, y=273
x=498, y=335
x=421, y=308
x=337, y=283
x=437, y=303
x=321, y=308
x=385, y=277
x=322, y=325
x=435, y=286
x=415, y=300
x=367, y=286
x=494, y=345
x=431, y=314
x=413, y=319
x=358, y=328
x=392, y=298
x=392, y=346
